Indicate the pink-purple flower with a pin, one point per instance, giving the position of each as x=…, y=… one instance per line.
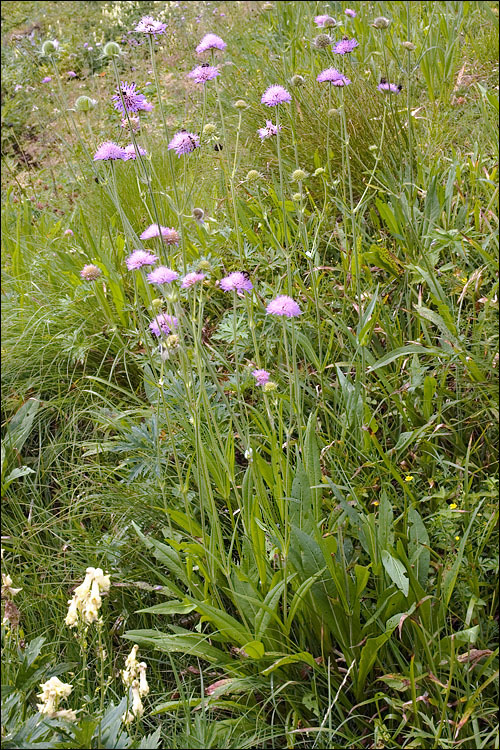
x=237, y=282
x=148, y=25
x=283, y=305
x=184, y=142
x=390, y=88
x=127, y=99
x=140, y=258
x=68, y=232
x=210, y=41
x=71, y=74
x=162, y=275
x=169, y=234
x=131, y=152
x=275, y=95
x=261, y=376
x=269, y=130
x=47, y=79
x=344, y=46
x=109, y=150
x=333, y=76
x=203, y=73
x=191, y=278
x=163, y=324
x=351, y=13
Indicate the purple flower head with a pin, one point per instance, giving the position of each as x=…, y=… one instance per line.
x=210, y=41
x=390, y=88
x=344, y=46
x=162, y=275
x=268, y=131
x=163, y=324
x=261, y=376
x=351, y=13
x=18, y=87
x=47, y=79
x=321, y=21
x=333, y=76
x=130, y=152
x=133, y=101
x=203, y=73
x=109, y=150
x=169, y=234
x=140, y=258
x=71, y=74
x=191, y=278
x=237, y=282
x=68, y=232
x=90, y=272
x=148, y=25
x=275, y=95
x=283, y=305
x=184, y=142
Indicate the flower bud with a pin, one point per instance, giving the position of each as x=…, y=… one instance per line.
x=381, y=22
x=156, y=304
x=253, y=175
x=84, y=104
x=322, y=41
x=209, y=129
x=318, y=171
x=333, y=112
x=172, y=341
x=49, y=47
x=204, y=266
x=198, y=215
x=299, y=175
x=297, y=197
x=297, y=80
x=240, y=104
x=269, y=386
x=112, y=49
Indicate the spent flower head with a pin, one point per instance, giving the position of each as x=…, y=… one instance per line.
x=90, y=272
x=297, y=80
x=322, y=41
x=381, y=22
x=325, y=21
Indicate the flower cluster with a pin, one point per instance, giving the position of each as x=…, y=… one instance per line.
x=210, y=41
x=86, y=602
x=269, y=130
x=203, y=73
x=53, y=691
x=184, y=142
x=127, y=99
x=134, y=678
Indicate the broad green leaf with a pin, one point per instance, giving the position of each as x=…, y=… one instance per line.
x=396, y=572
x=191, y=644
x=404, y=351
x=169, y=608
x=303, y=656
x=254, y=649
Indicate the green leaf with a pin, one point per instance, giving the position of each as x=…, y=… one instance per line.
x=169, y=608
x=254, y=649
x=303, y=656
x=396, y=572
x=191, y=644
x=404, y=351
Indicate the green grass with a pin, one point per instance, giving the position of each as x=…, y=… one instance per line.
x=322, y=553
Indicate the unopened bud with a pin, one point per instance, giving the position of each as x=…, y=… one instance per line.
x=49, y=47
x=240, y=104
x=297, y=80
x=381, y=22
x=112, y=49
x=408, y=45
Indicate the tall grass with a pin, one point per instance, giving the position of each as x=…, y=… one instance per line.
x=309, y=563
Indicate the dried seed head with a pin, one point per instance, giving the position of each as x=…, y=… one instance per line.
x=381, y=22
x=297, y=80
x=322, y=41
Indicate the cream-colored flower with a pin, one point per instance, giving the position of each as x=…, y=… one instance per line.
x=143, y=683
x=87, y=601
x=8, y=592
x=81, y=591
x=137, y=707
x=52, y=692
x=72, y=616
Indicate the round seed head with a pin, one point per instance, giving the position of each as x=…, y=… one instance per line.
x=381, y=22
x=297, y=80
x=322, y=41
x=112, y=49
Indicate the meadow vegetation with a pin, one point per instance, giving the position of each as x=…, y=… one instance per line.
x=249, y=461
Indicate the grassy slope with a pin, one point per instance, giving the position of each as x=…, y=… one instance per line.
x=75, y=509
